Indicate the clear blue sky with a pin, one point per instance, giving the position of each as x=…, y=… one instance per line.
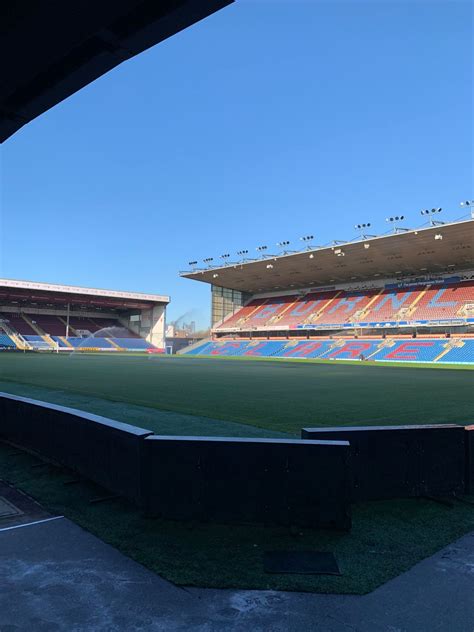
x=267, y=121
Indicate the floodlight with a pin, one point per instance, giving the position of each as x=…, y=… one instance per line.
x=394, y=220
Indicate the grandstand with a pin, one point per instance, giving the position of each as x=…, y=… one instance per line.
x=45, y=317
x=407, y=296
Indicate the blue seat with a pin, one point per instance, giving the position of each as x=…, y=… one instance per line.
x=6, y=342
x=460, y=354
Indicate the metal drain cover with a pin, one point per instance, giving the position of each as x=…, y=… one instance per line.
x=7, y=510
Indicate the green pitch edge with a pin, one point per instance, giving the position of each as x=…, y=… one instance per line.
x=159, y=421
x=415, y=365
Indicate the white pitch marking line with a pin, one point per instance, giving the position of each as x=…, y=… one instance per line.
x=29, y=524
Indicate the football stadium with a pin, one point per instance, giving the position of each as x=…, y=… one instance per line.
x=320, y=439
x=363, y=346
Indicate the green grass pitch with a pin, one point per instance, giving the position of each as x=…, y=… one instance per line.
x=227, y=397
x=280, y=396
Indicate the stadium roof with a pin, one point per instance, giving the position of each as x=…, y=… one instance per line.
x=12, y=291
x=411, y=253
x=54, y=47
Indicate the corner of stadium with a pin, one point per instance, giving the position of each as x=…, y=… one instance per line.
x=329, y=411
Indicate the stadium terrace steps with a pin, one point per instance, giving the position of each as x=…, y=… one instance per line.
x=17, y=324
x=33, y=325
x=6, y=342
x=440, y=350
x=134, y=344
x=114, y=344
x=38, y=342
x=90, y=343
x=192, y=346
x=54, y=325
x=48, y=332
x=62, y=342
x=47, y=338
x=64, y=328
x=429, y=302
x=464, y=354
x=17, y=339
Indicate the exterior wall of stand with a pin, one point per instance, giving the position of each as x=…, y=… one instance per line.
x=152, y=326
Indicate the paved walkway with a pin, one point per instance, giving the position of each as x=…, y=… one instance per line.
x=55, y=576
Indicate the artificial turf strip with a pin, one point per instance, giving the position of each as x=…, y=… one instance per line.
x=277, y=396
x=387, y=538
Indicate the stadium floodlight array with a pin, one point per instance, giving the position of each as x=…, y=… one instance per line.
x=265, y=255
x=394, y=220
x=307, y=239
x=361, y=228
x=470, y=205
x=284, y=246
x=430, y=213
x=243, y=255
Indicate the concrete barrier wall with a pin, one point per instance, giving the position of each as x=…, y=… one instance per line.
x=308, y=482
x=104, y=451
x=402, y=461
x=266, y=481
x=210, y=479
